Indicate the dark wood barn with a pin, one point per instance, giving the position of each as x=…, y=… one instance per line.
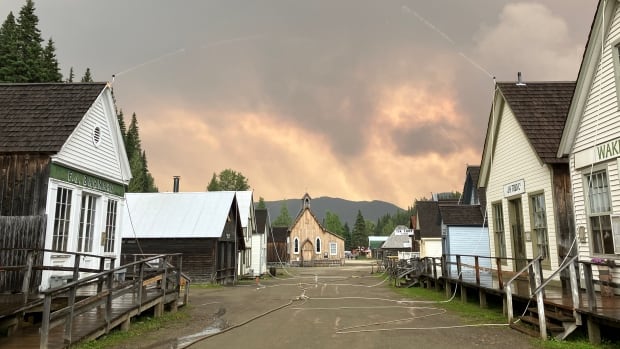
x=277, y=245
x=205, y=227
x=60, y=150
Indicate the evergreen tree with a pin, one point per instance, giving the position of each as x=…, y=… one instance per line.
x=228, y=179
x=348, y=245
x=9, y=55
x=132, y=138
x=359, y=237
x=333, y=224
x=121, y=124
x=142, y=181
x=87, y=77
x=284, y=219
x=50, y=72
x=72, y=76
x=261, y=203
x=29, y=45
x=214, y=184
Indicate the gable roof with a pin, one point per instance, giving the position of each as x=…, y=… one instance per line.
x=246, y=204
x=461, y=215
x=429, y=219
x=177, y=215
x=541, y=109
x=278, y=234
x=262, y=220
x=39, y=118
x=397, y=240
x=587, y=72
x=376, y=241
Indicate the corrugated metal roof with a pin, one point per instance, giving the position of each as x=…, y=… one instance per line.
x=176, y=215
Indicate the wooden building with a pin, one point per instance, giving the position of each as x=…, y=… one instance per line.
x=428, y=228
x=205, y=227
x=591, y=141
x=245, y=199
x=259, y=241
x=63, y=174
x=401, y=244
x=278, y=246
x=528, y=187
x=310, y=243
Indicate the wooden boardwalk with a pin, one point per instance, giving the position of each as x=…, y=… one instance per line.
x=92, y=306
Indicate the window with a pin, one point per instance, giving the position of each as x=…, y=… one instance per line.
x=498, y=232
x=539, y=228
x=333, y=248
x=296, y=246
x=318, y=245
x=87, y=223
x=110, y=226
x=600, y=213
x=62, y=218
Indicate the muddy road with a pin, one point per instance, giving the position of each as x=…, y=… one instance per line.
x=336, y=307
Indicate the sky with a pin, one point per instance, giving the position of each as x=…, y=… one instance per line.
x=358, y=99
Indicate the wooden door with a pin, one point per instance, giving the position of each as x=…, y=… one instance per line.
x=517, y=233
x=307, y=253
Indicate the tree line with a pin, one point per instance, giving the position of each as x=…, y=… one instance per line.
x=24, y=59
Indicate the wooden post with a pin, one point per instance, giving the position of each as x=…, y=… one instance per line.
x=509, y=311
x=540, y=302
x=587, y=274
x=574, y=287
x=76, y=267
x=482, y=295
x=27, y=275
x=459, y=273
x=69, y=319
x=435, y=276
x=594, y=331
x=477, y=266
x=45, y=322
x=500, y=278
x=100, y=281
x=108, y=305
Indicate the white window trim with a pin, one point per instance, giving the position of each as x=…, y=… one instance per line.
x=586, y=187
x=296, y=248
x=335, y=249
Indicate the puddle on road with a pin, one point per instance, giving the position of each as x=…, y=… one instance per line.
x=187, y=340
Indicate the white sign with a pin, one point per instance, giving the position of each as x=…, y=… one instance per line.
x=407, y=232
x=514, y=188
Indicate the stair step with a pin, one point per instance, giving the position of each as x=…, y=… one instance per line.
x=550, y=326
x=558, y=316
x=523, y=328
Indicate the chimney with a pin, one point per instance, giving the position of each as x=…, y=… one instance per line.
x=519, y=81
x=175, y=186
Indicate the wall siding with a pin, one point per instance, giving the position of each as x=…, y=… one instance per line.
x=307, y=228
x=514, y=159
x=80, y=151
x=23, y=184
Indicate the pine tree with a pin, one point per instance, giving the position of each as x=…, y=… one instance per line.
x=214, y=184
x=121, y=124
x=348, y=245
x=87, y=77
x=72, y=76
x=132, y=137
x=284, y=219
x=9, y=57
x=359, y=237
x=50, y=72
x=142, y=181
x=29, y=45
x=228, y=179
x=261, y=203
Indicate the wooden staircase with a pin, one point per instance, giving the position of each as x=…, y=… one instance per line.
x=559, y=323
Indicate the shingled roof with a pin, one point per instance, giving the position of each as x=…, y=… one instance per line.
x=541, y=109
x=39, y=118
x=278, y=234
x=461, y=215
x=429, y=219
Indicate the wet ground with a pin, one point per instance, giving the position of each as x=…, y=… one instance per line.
x=335, y=307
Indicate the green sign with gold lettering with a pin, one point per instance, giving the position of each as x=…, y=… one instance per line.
x=85, y=180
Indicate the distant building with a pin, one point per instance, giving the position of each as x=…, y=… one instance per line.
x=401, y=243
x=259, y=242
x=310, y=243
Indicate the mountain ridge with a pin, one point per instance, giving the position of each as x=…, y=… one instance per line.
x=345, y=209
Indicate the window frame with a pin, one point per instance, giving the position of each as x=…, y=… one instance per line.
x=87, y=223
x=111, y=221
x=62, y=218
x=296, y=245
x=318, y=245
x=333, y=249
x=600, y=213
x=499, y=236
x=536, y=231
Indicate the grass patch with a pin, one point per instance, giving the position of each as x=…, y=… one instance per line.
x=140, y=326
x=472, y=313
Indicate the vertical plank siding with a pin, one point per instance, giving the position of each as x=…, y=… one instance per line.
x=23, y=184
x=17, y=233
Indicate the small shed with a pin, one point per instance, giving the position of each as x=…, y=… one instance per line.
x=204, y=226
x=428, y=223
x=374, y=244
x=400, y=243
x=278, y=245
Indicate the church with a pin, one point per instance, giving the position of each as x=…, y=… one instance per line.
x=310, y=244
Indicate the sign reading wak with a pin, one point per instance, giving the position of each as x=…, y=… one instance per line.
x=514, y=188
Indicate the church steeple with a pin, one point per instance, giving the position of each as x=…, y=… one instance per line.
x=305, y=201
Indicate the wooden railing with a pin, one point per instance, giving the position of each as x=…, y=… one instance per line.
x=154, y=272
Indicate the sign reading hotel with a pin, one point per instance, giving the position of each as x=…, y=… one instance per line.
x=514, y=188
x=85, y=180
x=602, y=152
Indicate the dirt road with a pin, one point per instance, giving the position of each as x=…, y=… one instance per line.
x=337, y=307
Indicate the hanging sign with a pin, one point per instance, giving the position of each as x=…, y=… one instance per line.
x=514, y=188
